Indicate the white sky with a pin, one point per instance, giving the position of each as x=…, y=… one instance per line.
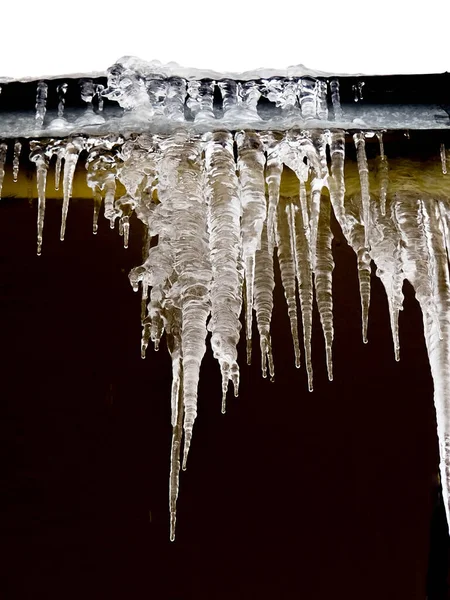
x=46, y=37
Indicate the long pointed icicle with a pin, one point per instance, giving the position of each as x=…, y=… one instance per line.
x=39, y=157
x=177, y=431
x=224, y=213
x=71, y=155
x=349, y=218
x=336, y=182
x=286, y=261
x=443, y=159
x=383, y=174
x=3, y=150
x=181, y=162
x=323, y=280
x=305, y=282
x=386, y=253
x=437, y=339
x=253, y=200
x=363, y=170
x=274, y=169
x=263, y=301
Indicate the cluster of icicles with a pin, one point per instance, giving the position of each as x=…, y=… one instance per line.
x=178, y=99
x=219, y=220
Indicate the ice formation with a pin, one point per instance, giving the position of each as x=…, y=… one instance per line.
x=208, y=188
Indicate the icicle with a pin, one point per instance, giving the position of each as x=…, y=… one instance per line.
x=298, y=232
x=240, y=99
x=322, y=104
x=62, y=90
x=284, y=93
x=185, y=202
x=308, y=97
x=417, y=263
x=224, y=212
x=101, y=166
x=323, y=270
x=363, y=170
x=336, y=100
x=286, y=259
x=253, y=200
x=39, y=157
x=201, y=98
x=248, y=94
x=98, y=90
x=88, y=90
x=386, y=253
x=263, y=301
x=176, y=96
x=3, y=150
x=228, y=90
x=157, y=90
x=41, y=103
x=305, y=207
x=16, y=161
x=125, y=207
x=274, y=169
x=433, y=293
x=349, y=218
x=357, y=91
x=320, y=176
x=71, y=155
x=336, y=182
x=383, y=174
x=443, y=160
x=174, y=344
x=97, y=205
x=87, y=93
x=59, y=157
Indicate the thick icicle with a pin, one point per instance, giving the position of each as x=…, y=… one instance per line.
x=286, y=260
x=433, y=293
x=181, y=163
x=323, y=271
x=3, y=150
x=41, y=103
x=16, y=161
x=253, y=200
x=39, y=157
x=224, y=212
x=71, y=155
x=263, y=301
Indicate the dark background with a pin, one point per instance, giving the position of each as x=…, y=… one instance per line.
x=330, y=494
